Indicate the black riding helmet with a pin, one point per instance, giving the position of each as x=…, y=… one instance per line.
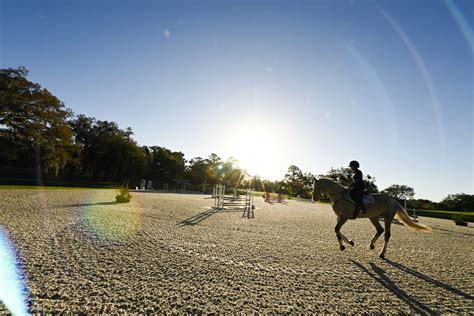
x=354, y=163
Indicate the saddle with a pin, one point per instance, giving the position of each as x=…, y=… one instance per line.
x=367, y=198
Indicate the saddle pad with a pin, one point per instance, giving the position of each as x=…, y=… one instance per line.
x=368, y=199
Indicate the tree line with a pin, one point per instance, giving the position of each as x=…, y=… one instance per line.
x=38, y=131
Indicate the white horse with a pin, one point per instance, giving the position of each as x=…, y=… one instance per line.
x=382, y=205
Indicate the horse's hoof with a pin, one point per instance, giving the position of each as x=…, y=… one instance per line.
x=342, y=247
x=382, y=256
x=351, y=242
x=372, y=247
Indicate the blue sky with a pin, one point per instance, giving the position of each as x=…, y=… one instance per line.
x=272, y=83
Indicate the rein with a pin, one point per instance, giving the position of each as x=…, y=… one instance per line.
x=341, y=198
x=334, y=201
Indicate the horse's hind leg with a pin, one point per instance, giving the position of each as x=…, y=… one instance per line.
x=376, y=223
x=388, y=222
x=340, y=221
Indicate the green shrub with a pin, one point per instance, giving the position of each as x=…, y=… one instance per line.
x=123, y=194
x=459, y=218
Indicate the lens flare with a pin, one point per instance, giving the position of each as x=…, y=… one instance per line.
x=436, y=106
x=107, y=220
x=462, y=22
x=12, y=286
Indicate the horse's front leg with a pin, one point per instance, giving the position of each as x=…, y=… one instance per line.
x=344, y=238
x=341, y=220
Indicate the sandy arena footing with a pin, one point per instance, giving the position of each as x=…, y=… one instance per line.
x=82, y=253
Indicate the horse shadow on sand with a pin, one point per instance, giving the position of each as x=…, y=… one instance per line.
x=381, y=276
x=196, y=219
x=452, y=231
x=429, y=279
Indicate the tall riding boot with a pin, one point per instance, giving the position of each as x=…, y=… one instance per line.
x=356, y=212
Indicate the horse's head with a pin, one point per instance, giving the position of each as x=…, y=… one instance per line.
x=316, y=190
x=325, y=185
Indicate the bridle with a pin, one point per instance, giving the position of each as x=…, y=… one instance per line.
x=318, y=192
x=330, y=195
x=314, y=190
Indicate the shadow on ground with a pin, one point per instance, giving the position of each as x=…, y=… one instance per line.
x=452, y=231
x=196, y=219
x=429, y=279
x=380, y=276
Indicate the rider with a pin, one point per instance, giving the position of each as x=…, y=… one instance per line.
x=357, y=188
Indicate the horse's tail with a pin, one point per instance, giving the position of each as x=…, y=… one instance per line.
x=403, y=217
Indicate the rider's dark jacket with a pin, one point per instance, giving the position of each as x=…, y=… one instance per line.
x=357, y=188
x=357, y=179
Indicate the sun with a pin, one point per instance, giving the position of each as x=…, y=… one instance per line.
x=259, y=149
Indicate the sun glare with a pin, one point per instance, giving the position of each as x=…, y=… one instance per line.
x=259, y=149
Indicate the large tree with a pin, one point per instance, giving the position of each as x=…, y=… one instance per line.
x=344, y=177
x=165, y=166
x=107, y=152
x=458, y=202
x=341, y=175
x=422, y=204
x=212, y=170
x=295, y=181
x=400, y=191
x=231, y=173
x=34, y=123
x=215, y=168
x=197, y=170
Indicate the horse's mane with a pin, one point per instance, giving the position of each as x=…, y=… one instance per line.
x=333, y=181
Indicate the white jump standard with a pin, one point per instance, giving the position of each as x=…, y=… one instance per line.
x=218, y=195
x=249, y=205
